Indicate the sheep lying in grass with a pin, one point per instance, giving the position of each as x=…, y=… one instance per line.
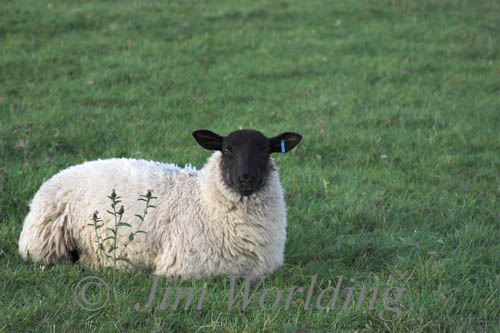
x=226, y=219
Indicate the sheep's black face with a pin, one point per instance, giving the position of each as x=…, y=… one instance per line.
x=245, y=156
x=245, y=160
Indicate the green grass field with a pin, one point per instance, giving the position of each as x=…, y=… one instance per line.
x=395, y=184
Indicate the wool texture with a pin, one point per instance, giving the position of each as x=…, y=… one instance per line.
x=200, y=227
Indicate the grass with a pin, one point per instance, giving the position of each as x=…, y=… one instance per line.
x=396, y=183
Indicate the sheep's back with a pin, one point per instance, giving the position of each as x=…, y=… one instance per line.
x=79, y=191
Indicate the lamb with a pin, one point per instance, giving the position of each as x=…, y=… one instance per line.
x=227, y=219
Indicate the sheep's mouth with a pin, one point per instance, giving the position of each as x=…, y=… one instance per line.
x=246, y=191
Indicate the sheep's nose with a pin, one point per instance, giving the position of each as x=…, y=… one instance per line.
x=246, y=179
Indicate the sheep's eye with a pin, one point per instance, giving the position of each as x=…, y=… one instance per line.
x=227, y=151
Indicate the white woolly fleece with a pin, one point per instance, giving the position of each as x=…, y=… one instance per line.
x=200, y=228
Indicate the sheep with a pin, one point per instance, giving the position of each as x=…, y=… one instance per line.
x=226, y=219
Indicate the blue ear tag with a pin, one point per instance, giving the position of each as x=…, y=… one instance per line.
x=282, y=145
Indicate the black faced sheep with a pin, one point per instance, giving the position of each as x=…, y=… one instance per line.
x=228, y=218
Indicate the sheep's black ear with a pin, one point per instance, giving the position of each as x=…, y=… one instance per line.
x=284, y=142
x=208, y=140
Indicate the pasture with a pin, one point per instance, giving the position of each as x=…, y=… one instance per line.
x=396, y=183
